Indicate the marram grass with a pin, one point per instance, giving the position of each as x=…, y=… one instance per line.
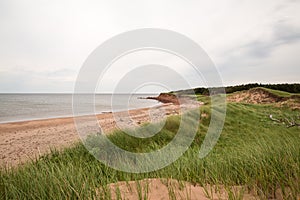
x=253, y=152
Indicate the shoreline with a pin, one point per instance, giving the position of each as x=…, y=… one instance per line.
x=71, y=116
x=25, y=140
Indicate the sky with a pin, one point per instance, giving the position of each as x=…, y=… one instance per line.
x=43, y=44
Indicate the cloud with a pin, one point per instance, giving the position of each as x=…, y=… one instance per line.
x=52, y=39
x=282, y=34
x=19, y=79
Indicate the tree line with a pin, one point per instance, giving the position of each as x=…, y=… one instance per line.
x=292, y=88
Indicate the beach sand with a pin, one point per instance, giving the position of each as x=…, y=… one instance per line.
x=21, y=141
x=153, y=189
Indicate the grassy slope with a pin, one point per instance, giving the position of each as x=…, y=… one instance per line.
x=252, y=151
x=280, y=93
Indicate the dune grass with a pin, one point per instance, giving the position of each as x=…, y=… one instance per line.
x=253, y=152
x=279, y=93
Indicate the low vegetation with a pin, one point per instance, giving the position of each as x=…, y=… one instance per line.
x=254, y=152
x=290, y=88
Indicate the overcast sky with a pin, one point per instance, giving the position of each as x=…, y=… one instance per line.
x=43, y=43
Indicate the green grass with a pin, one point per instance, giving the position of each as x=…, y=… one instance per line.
x=252, y=151
x=280, y=93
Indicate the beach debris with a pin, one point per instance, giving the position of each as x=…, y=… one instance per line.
x=287, y=122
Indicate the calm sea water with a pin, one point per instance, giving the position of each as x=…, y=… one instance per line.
x=22, y=107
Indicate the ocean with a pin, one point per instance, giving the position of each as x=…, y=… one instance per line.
x=24, y=107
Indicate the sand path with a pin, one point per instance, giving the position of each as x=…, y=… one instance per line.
x=165, y=189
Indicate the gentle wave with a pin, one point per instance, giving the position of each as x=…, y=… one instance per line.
x=23, y=107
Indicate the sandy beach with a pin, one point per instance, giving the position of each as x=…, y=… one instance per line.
x=154, y=189
x=20, y=141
